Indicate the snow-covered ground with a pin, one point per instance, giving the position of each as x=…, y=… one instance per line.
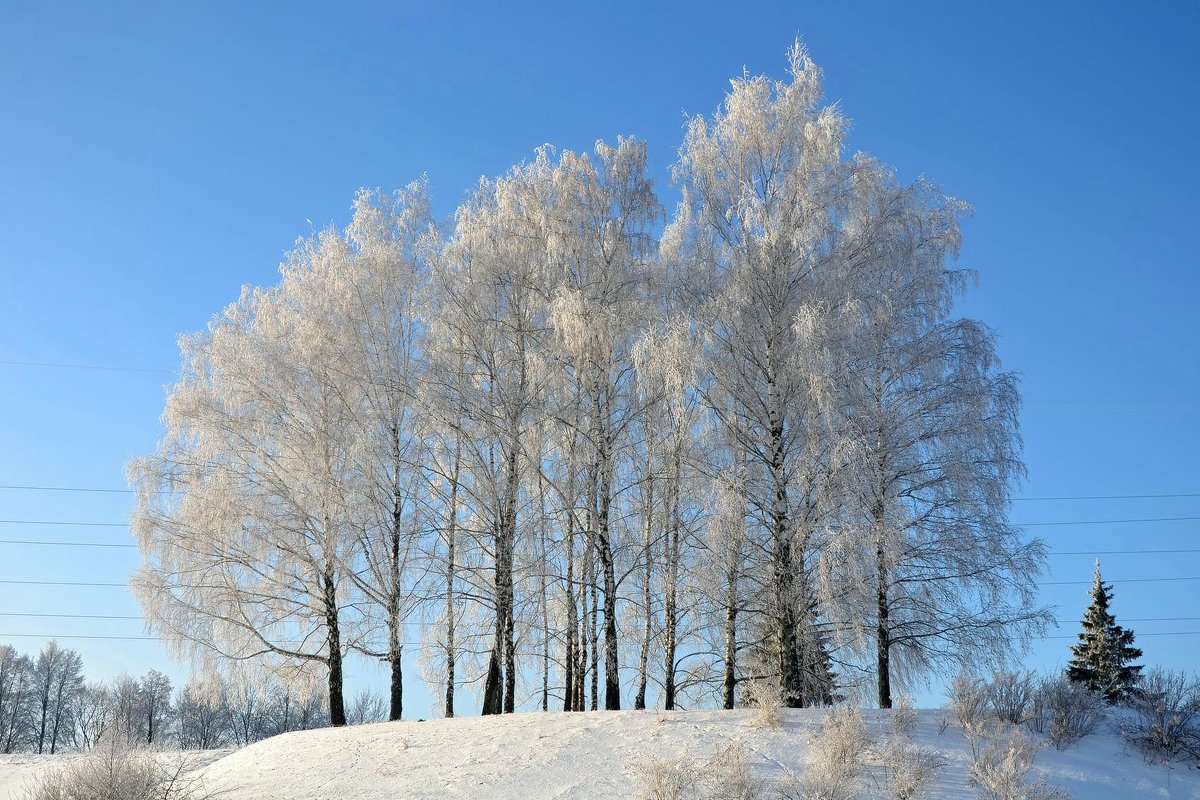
x=596, y=755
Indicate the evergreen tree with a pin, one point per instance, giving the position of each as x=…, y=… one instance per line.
x=1102, y=660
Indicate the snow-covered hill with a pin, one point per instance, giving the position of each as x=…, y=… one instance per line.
x=597, y=755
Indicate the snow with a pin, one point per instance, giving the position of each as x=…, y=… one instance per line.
x=595, y=755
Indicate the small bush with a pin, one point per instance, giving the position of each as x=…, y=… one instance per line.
x=118, y=771
x=1065, y=711
x=1000, y=767
x=903, y=718
x=909, y=771
x=727, y=776
x=766, y=697
x=1165, y=715
x=669, y=779
x=1010, y=696
x=968, y=701
x=837, y=763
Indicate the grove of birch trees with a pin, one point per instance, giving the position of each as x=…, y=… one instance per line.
x=578, y=452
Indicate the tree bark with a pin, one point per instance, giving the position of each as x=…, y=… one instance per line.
x=639, y=701
x=572, y=620
x=451, y=537
x=883, y=629
x=395, y=650
x=337, y=703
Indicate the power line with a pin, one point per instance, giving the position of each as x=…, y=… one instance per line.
x=1120, y=580
x=1102, y=496
x=95, y=367
x=1045, y=497
x=1139, y=634
x=65, y=544
x=59, y=583
x=76, y=636
x=82, y=616
x=39, y=614
x=1053, y=553
x=145, y=638
x=1116, y=552
x=1138, y=619
x=1102, y=521
x=1019, y=525
x=59, y=522
x=1043, y=583
x=65, y=489
x=1113, y=407
x=416, y=644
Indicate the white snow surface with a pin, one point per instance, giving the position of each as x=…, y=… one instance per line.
x=535, y=756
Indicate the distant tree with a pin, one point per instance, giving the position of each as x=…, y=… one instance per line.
x=125, y=709
x=1103, y=658
x=57, y=679
x=204, y=718
x=154, y=696
x=91, y=716
x=367, y=707
x=15, y=697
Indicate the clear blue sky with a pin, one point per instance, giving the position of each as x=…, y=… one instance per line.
x=156, y=157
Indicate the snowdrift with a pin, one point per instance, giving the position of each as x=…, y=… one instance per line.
x=597, y=755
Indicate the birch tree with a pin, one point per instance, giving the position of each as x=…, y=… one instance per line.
x=57, y=678
x=762, y=184
x=247, y=513
x=598, y=252
x=489, y=318
x=379, y=324
x=934, y=422
x=16, y=698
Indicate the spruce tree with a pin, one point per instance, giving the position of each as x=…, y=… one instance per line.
x=1102, y=660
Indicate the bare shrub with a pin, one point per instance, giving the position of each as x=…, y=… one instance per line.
x=767, y=698
x=669, y=779
x=728, y=776
x=1065, y=711
x=1165, y=715
x=908, y=771
x=1010, y=696
x=838, y=750
x=1000, y=767
x=117, y=771
x=367, y=707
x=968, y=700
x=903, y=718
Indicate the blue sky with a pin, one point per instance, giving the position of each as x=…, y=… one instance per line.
x=156, y=157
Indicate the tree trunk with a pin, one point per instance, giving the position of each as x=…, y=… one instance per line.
x=451, y=537
x=492, y=702
x=730, y=683
x=572, y=620
x=612, y=678
x=671, y=590
x=510, y=535
x=784, y=577
x=594, y=634
x=395, y=653
x=337, y=704
x=639, y=701
x=543, y=590
x=883, y=632
x=396, y=708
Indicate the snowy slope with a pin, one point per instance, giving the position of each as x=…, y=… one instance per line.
x=534, y=756
x=18, y=770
